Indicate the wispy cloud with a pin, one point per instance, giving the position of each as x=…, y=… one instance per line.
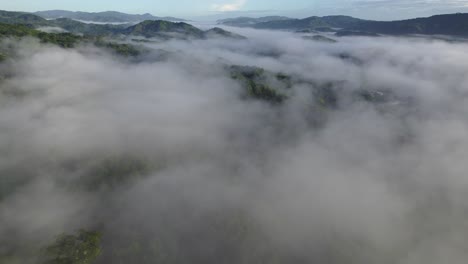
x=233, y=6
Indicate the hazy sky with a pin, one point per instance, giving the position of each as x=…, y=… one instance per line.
x=376, y=9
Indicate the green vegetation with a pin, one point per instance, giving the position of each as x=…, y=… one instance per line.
x=107, y=16
x=255, y=81
x=260, y=84
x=8, y=30
x=294, y=24
x=355, y=33
x=319, y=38
x=170, y=30
x=219, y=32
x=82, y=248
x=113, y=172
x=65, y=40
x=224, y=235
x=264, y=92
x=450, y=24
x=125, y=50
x=21, y=18
x=77, y=27
x=248, y=21
x=326, y=96
x=148, y=28
x=160, y=28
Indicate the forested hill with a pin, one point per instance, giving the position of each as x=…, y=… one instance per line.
x=450, y=24
x=148, y=28
x=103, y=17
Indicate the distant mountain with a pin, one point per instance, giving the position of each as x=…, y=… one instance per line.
x=181, y=30
x=450, y=24
x=221, y=33
x=293, y=24
x=149, y=28
x=349, y=33
x=319, y=38
x=21, y=18
x=102, y=17
x=64, y=40
x=160, y=28
x=248, y=21
x=77, y=27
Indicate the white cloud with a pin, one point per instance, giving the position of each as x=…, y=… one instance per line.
x=236, y=5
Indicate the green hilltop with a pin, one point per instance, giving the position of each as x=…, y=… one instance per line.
x=157, y=28
x=103, y=17
x=448, y=24
x=107, y=36
x=148, y=28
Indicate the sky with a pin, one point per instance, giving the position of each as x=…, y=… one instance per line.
x=370, y=9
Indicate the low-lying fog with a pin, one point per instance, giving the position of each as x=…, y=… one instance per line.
x=203, y=175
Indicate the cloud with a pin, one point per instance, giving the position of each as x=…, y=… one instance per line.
x=234, y=6
x=168, y=161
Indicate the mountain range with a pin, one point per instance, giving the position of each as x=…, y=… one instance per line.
x=167, y=30
x=249, y=21
x=449, y=24
x=102, y=17
x=149, y=28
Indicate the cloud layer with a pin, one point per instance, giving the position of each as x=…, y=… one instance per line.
x=168, y=155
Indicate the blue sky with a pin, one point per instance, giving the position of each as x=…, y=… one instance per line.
x=373, y=9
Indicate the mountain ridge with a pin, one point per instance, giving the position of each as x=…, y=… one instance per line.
x=445, y=24
x=149, y=28
x=102, y=17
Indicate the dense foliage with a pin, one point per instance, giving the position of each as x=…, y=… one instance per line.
x=160, y=28
x=221, y=33
x=256, y=82
x=125, y=50
x=65, y=40
x=77, y=27
x=8, y=30
x=82, y=248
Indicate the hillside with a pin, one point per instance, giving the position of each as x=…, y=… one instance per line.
x=248, y=21
x=77, y=27
x=103, y=17
x=148, y=28
x=450, y=24
x=64, y=40
x=160, y=28
x=21, y=18
x=221, y=33
x=161, y=142
x=180, y=30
